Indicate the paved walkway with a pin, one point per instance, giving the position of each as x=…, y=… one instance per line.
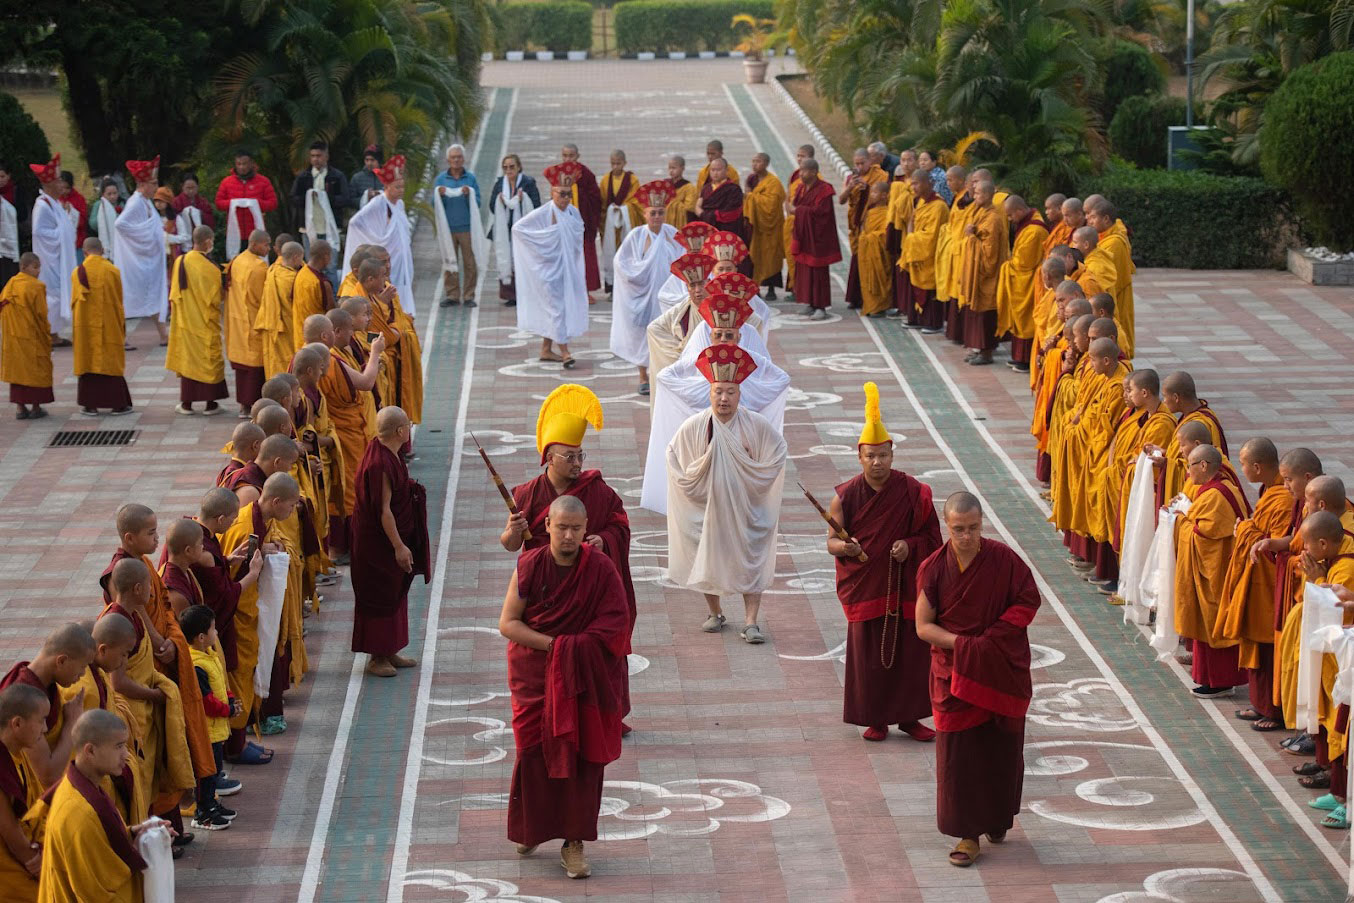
x=741, y=782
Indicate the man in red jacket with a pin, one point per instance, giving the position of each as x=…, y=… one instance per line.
x=245, y=182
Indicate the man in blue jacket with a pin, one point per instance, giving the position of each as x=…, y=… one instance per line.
x=459, y=195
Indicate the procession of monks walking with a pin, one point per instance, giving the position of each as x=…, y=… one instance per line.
x=125, y=724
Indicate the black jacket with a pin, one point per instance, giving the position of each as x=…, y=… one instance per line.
x=335, y=185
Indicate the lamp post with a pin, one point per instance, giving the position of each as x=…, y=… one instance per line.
x=1189, y=64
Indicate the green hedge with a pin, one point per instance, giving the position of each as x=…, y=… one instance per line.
x=1305, y=145
x=690, y=25
x=559, y=26
x=1138, y=131
x=1194, y=220
x=1130, y=70
x=22, y=141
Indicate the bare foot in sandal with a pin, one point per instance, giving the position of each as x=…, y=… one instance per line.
x=965, y=853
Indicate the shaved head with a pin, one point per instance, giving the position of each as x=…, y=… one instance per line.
x=218, y=502
x=1086, y=235
x=390, y=420
x=316, y=327
x=21, y=701
x=1055, y=272
x=962, y=503
x=281, y=486
x=308, y=358
x=568, y=505
x=127, y=573
x=183, y=534
x=1104, y=347
x=259, y=405
x=1329, y=491
x=278, y=389
x=1182, y=384
x=278, y=446
x=71, y=640
x=273, y=420
x=1323, y=525
x=1301, y=461
x=1262, y=451
x=1102, y=327
x=133, y=518
x=98, y=727
x=1147, y=380
x=340, y=318
x=115, y=630
x=1211, y=457
x=1076, y=308
x=1194, y=431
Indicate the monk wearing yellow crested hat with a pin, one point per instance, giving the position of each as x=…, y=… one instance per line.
x=893, y=528
x=561, y=424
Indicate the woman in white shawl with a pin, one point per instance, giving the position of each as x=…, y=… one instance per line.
x=514, y=195
x=103, y=217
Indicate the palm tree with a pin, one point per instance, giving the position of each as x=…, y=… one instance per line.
x=1021, y=71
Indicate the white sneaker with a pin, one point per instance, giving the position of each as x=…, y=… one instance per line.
x=182, y=408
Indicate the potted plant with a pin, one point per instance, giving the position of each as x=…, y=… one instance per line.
x=758, y=37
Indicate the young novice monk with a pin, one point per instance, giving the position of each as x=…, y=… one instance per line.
x=23, y=719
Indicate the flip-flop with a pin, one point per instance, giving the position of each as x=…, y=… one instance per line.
x=1318, y=781
x=964, y=854
x=569, y=362
x=550, y=357
x=1249, y=715
x=1307, y=768
x=1337, y=820
x=253, y=755
x=1266, y=724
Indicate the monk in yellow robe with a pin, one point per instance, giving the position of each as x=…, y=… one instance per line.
x=195, y=352
x=1100, y=265
x=1059, y=233
x=165, y=767
x=23, y=719
x=1058, y=391
x=99, y=332
x=403, y=357
x=277, y=502
x=1156, y=425
x=246, y=277
x=1246, y=603
x=620, y=190
x=1114, y=243
x=917, y=255
x=714, y=150
x=358, y=351
x=1204, y=537
x=65, y=654
x=949, y=251
x=311, y=293
x=985, y=248
x=347, y=395
x=1018, y=283
x=1181, y=398
x=89, y=852
x=273, y=325
x=309, y=367
x=683, y=204
x=1103, y=488
x=25, y=340
x=764, y=210
x=872, y=255
x=115, y=639
x=1048, y=316
x=855, y=196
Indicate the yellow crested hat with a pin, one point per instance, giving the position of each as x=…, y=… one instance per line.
x=565, y=415
x=874, y=432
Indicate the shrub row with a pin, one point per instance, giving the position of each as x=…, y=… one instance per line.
x=1197, y=220
x=1138, y=132
x=559, y=26
x=659, y=26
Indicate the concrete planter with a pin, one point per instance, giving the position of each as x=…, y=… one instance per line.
x=676, y=54
x=645, y=55
x=707, y=54
x=577, y=55
x=755, y=71
x=545, y=56
x=1315, y=271
x=486, y=57
x=515, y=56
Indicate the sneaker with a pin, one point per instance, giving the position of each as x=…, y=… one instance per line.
x=752, y=634
x=818, y=314
x=211, y=409
x=227, y=814
x=895, y=314
x=226, y=786
x=211, y=820
x=127, y=410
x=571, y=858
x=182, y=408
x=90, y=412
x=1203, y=691
x=714, y=624
x=273, y=724
x=524, y=849
x=931, y=330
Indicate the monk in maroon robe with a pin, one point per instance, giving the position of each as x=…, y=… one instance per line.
x=891, y=520
x=390, y=546
x=721, y=205
x=975, y=599
x=588, y=200
x=566, y=618
x=814, y=243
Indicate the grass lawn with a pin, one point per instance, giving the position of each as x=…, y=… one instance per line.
x=834, y=124
x=44, y=105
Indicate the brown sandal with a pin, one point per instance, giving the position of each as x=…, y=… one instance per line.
x=551, y=357
x=964, y=854
x=569, y=362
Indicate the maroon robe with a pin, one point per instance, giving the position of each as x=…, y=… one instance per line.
x=224, y=473
x=22, y=674
x=590, y=209
x=814, y=244
x=606, y=518
x=567, y=703
x=380, y=586
x=980, y=689
x=722, y=208
x=220, y=593
x=877, y=694
x=250, y=474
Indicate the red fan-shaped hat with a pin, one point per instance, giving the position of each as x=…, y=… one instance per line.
x=725, y=364
x=392, y=170
x=49, y=171
x=723, y=311
x=735, y=285
x=658, y=193
x=693, y=268
x=693, y=236
x=726, y=246
x=563, y=175
x=143, y=170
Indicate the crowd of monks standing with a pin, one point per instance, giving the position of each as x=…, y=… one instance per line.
x=113, y=722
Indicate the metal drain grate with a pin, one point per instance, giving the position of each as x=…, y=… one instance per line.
x=93, y=438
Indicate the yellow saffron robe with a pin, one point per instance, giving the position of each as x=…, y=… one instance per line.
x=1087, y=444
x=872, y=260
x=1020, y=283
x=1175, y=464
x=97, y=688
x=925, y=226
x=195, y=325
x=764, y=208
x=248, y=275
x=16, y=886
x=25, y=342
x=1060, y=234
x=273, y=325
x=99, y=327
x=403, y=356
x=1246, y=606
x=787, y=231
x=78, y=864
x=308, y=298
x=1157, y=430
x=1340, y=572
x=681, y=206
x=1204, y=537
x=982, y=256
x=950, y=249
x=353, y=415
x=1114, y=243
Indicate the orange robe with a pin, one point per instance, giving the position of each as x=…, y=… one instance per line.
x=1114, y=243
x=353, y=415
x=1061, y=234
x=311, y=295
x=1157, y=429
x=1171, y=476
x=982, y=256
x=1246, y=606
x=1204, y=537
x=764, y=209
x=403, y=355
x=273, y=324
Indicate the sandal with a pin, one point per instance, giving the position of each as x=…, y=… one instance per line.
x=1249, y=715
x=61, y=342
x=997, y=837
x=1326, y=803
x=253, y=755
x=550, y=357
x=569, y=362
x=1337, y=820
x=1266, y=724
x=1318, y=781
x=1307, y=768
x=964, y=854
